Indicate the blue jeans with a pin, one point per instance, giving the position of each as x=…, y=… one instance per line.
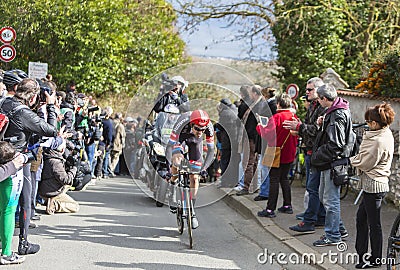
x=90, y=149
x=315, y=210
x=241, y=171
x=329, y=195
x=106, y=170
x=264, y=189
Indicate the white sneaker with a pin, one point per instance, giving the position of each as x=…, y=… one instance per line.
x=14, y=258
x=238, y=188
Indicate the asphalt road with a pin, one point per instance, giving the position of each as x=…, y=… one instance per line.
x=119, y=227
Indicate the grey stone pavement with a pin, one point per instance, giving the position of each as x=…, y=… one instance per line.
x=302, y=243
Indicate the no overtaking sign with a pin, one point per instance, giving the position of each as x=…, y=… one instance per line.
x=7, y=51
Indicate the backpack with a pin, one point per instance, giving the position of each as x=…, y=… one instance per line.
x=5, y=117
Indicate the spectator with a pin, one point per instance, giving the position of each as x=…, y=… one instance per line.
x=330, y=145
x=242, y=106
x=24, y=123
x=130, y=143
x=259, y=106
x=107, y=140
x=269, y=95
x=315, y=211
x=56, y=179
x=71, y=87
x=11, y=79
x=10, y=163
x=372, y=164
x=118, y=142
x=227, y=134
x=277, y=136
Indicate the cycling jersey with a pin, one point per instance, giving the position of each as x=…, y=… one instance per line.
x=182, y=135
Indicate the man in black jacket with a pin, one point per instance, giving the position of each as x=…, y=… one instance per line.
x=23, y=123
x=173, y=93
x=250, y=151
x=330, y=145
x=308, y=130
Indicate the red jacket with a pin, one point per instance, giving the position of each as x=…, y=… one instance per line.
x=275, y=135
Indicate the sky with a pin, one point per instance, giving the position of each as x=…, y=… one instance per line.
x=207, y=40
x=203, y=42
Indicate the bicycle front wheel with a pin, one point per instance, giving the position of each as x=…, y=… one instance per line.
x=188, y=206
x=393, y=249
x=179, y=219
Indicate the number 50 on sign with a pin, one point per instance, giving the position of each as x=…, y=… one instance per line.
x=7, y=53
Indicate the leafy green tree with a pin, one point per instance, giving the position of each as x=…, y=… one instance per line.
x=104, y=45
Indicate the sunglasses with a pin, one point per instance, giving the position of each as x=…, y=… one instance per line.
x=199, y=128
x=309, y=89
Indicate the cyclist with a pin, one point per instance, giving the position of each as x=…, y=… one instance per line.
x=188, y=131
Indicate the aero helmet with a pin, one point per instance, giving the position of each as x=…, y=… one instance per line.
x=199, y=118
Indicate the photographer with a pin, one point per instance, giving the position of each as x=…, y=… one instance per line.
x=23, y=123
x=56, y=179
x=173, y=93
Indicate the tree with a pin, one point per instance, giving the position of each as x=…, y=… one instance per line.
x=341, y=34
x=111, y=45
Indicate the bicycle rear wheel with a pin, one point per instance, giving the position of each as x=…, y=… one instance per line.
x=188, y=205
x=393, y=249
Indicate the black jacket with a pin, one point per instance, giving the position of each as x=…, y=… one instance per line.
x=261, y=108
x=54, y=174
x=25, y=122
x=308, y=130
x=228, y=127
x=181, y=102
x=331, y=141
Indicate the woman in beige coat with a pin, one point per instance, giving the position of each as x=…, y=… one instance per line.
x=372, y=164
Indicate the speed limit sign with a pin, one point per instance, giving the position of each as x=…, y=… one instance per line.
x=7, y=53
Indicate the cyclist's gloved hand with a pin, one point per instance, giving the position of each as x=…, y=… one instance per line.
x=204, y=173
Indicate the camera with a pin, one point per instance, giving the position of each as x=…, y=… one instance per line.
x=93, y=108
x=29, y=156
x=44, y=88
